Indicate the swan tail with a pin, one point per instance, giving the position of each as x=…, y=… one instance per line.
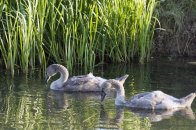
x=187, y=101
x=90, y=74
x=122, y=79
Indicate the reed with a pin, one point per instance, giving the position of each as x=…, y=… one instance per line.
x=84, y=33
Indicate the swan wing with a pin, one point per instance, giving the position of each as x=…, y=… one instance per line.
x=79, y=83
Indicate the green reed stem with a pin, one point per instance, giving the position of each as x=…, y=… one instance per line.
x=36, y=33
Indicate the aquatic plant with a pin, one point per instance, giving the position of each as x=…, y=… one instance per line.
x=21, y=41
x=84, y=33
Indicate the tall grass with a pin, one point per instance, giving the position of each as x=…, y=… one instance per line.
x=21, y=35
x=79, y=32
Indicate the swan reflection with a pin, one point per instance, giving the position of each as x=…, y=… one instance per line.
x=63, y=100
x=153, y=116
x=159, y=115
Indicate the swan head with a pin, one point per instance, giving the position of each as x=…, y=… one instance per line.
x=51, y=71
x=116, y=84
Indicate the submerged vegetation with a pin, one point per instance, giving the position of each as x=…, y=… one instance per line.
x=34, y=32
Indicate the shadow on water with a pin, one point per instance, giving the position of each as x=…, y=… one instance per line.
x=27, y=103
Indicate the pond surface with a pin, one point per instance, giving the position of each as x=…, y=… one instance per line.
x=28, y=103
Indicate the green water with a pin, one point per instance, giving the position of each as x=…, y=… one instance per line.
x=26, y=102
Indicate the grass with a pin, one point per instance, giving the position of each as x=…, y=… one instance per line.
x=36, y=33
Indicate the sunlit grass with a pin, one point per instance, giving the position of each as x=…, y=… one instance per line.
x=34, y=33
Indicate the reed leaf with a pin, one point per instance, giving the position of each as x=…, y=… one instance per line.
x=37, y=33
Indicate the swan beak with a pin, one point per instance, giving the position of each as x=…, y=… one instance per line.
x=47, y=78
x=103, y=94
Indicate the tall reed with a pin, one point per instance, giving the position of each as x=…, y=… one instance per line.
x=75, y=32
x=22, y=35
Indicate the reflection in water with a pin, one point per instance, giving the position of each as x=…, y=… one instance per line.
x=118, y=117
x=63, y=100
x=153, y=116
x=27, y=104
x=57, y=99
x=112, y=119
x=159, y=115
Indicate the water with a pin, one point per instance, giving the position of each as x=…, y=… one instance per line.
x=28, y=103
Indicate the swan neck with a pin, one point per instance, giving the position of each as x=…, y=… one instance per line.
x=64, y=74
x=120, y=90
x=120, y=98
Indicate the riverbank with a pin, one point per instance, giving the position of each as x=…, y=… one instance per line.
x=178, y=37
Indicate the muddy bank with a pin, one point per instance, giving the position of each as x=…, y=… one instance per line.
x=178, y=37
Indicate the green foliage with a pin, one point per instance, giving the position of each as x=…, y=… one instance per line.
x=178, y=20
x=21, y=38
x=75, y=32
